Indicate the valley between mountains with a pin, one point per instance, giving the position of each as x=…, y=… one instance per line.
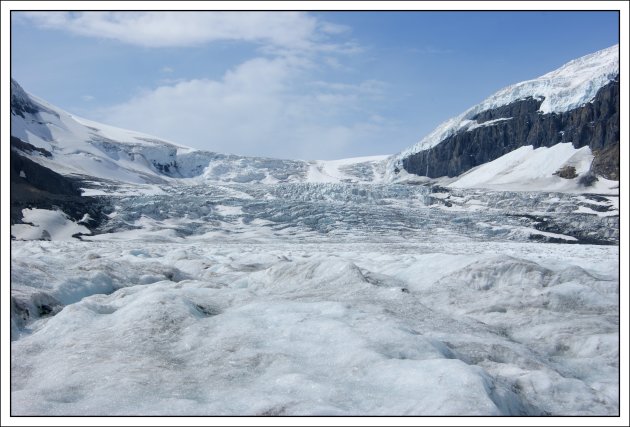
x=475, y=273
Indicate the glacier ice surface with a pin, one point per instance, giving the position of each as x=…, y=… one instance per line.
x=321, y=299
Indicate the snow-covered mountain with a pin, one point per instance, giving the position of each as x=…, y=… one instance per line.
x=556, y=133
x=75, y=146
x=568, y=117
x=576, y=105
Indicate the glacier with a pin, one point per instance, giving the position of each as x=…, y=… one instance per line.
x=87, y=149
x=316, y=329
x=218, y=284
x=321, y=299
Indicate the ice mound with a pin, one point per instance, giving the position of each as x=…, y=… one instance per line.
x=317, y=329
x=280, y=356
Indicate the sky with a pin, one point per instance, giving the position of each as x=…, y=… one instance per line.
x=301, y=85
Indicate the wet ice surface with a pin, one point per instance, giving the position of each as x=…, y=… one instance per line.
x=319, y=299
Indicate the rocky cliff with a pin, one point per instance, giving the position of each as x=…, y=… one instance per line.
x=501, y=130
x=577, y=104
x=35, y=186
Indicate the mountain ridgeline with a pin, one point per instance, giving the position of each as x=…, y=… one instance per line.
x=576, y=105
x=109, y=179
x=595, y=124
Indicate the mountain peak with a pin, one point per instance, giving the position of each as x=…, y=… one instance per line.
x=576, y=103
x=21, y=103
x=570, y=86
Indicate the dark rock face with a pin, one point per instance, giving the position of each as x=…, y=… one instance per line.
x=35, y=186
x=21, y=104
x=567, y=172
x=166, y=168
x=38, y=305
x=26, y=171
x=18, y=144
x=606, y=162
x=595, y=124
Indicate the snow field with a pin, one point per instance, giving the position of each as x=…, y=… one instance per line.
x=529, y=169
x=46, y=224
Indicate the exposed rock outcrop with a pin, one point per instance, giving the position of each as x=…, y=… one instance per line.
x=35, y=186
x=567, y=172
x=606, y=161
x=21, y=104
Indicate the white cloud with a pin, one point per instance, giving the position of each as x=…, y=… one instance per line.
x=259, y=108
x=430, y=50
x=331, y=28
x=266, y=106
x=87, y=98
x=285, y=30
